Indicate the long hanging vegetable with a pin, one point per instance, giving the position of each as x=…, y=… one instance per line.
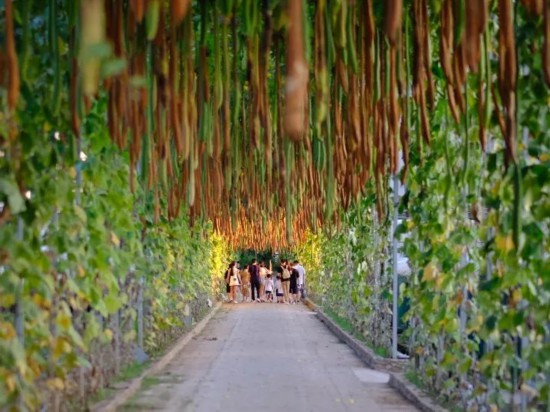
x=507, y=73
x=297, y=77
x=223, y=107
x=11, y=57
x=546, y=44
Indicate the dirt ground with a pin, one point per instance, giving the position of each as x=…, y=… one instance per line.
x=267, y=357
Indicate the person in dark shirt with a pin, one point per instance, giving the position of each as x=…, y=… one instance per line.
x=294, y=275
x=254, y=271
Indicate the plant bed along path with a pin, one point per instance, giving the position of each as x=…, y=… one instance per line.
x=267, y=357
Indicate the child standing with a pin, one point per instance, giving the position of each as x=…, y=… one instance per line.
x=279, y=288
x=269, y=288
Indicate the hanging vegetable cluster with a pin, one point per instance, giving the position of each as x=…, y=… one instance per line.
x=271, y=115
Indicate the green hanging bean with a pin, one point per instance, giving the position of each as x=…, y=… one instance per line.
x=54, y=53
x=350, y=44
x=26, y=44
x=460, y=20
x=152, y=18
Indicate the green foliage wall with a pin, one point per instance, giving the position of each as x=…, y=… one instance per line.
x=345, y=273
x=478, y=319
x=476, y=232
x=72, y=264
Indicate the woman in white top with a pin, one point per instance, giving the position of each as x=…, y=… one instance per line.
x=263, y=276
x=234, y=282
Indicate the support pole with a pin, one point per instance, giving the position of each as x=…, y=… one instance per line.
x=140, y=313
x=395, y=317
x=77, y=198
x=19, y=313
x=117, y=333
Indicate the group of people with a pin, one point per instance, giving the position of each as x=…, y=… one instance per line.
x=257, y=283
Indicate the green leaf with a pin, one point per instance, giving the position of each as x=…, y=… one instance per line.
x=138, y=81
x=112, y=302
x=112, y=67
x=80, y=213
x=15, y=200
x=98, y=51
x=92, y=329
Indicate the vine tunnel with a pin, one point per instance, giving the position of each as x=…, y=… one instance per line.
x=398, y=149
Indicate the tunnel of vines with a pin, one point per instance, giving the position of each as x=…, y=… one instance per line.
x=144, y=144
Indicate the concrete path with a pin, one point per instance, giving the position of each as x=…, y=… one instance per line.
x=267, y=357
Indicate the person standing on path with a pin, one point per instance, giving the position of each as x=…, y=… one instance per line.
x=285, y=280
x=293, y=289
x=279, y=289
x=269, y=288
x=234, y=282
x=245, y=287
x=263, y=276
x=227, y=278
x=254, y=271
x=301, y=278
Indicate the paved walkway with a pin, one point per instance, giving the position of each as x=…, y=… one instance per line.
x=267, y=357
